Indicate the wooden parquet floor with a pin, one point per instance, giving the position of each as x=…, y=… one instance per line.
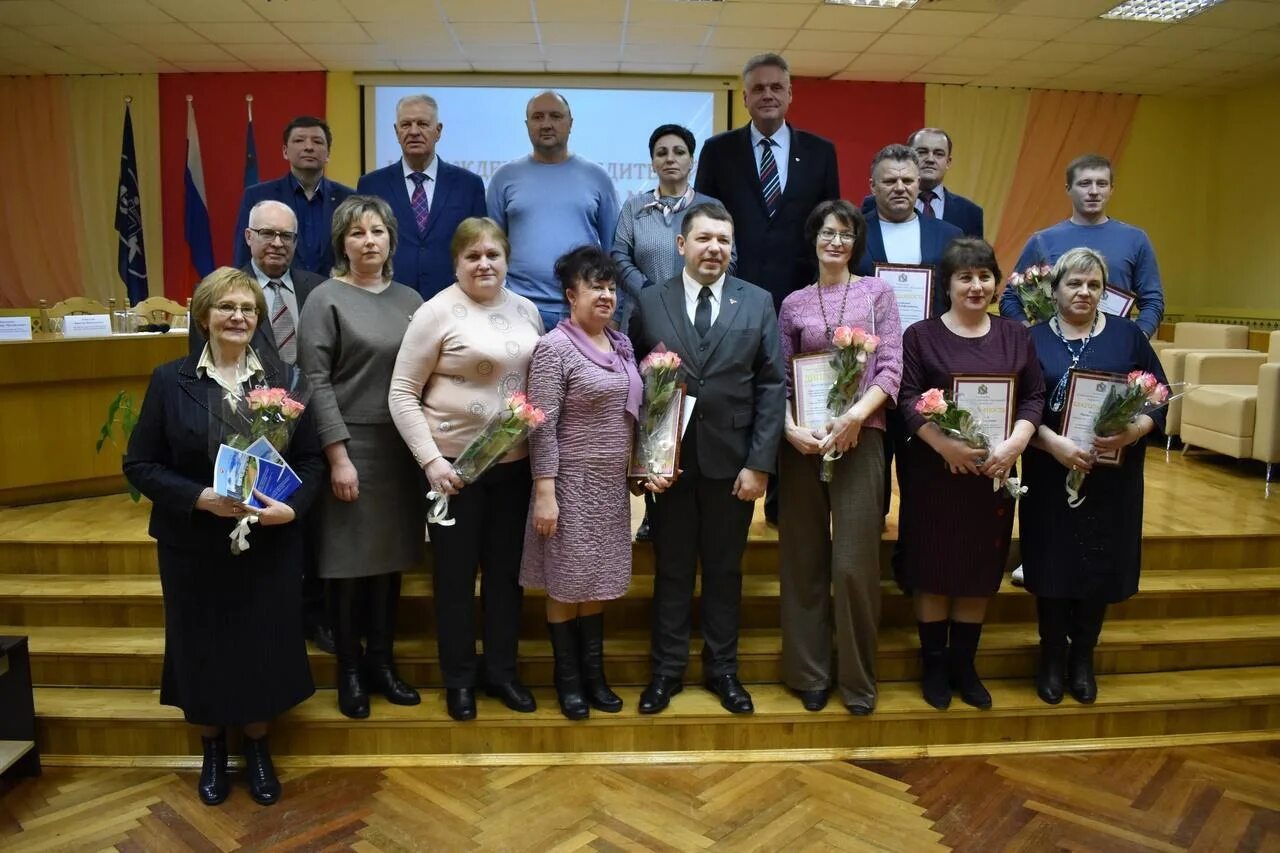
x=1179, y=799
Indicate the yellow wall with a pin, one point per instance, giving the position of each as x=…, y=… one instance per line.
x=342, y=108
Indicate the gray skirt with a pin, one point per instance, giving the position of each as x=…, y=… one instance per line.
x=381, y=531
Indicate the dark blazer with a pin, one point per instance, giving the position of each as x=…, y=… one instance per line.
x=170, y=461
x=284, y=189
x=736, y=373
x=772, y=253
x=935, y=234
x=424, y=262
x=264, y=340
x=956, y=209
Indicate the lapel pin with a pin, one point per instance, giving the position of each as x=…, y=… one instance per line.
x=732, y=301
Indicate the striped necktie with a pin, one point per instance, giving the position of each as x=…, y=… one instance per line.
x=926, y=198
x=418, y=201
x=769, y=180
x=282, y=324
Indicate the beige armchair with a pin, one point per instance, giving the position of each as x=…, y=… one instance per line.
x=1190, y=338
x=1233, y=406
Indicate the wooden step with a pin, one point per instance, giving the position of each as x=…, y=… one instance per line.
x=132, y=657
x=135, y=600
x=12, y=751
x=130, y=724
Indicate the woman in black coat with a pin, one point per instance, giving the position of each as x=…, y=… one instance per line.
x=234, y=648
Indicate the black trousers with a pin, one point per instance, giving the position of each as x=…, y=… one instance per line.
x=490, y=518
x=697, y=520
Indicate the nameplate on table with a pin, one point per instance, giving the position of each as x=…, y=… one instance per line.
x=1116, y=302
x=86, y=325
x=913, y=288
x=15, y=328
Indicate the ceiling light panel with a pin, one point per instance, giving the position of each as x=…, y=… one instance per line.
x=874, y=4
x=1160, y=11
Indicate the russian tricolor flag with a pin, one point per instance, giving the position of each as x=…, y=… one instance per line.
x=196, y=208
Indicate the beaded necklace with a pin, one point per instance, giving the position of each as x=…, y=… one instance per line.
x=844, y=301
x=1058, y=399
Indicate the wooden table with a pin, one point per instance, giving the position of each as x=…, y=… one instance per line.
x=54, y=394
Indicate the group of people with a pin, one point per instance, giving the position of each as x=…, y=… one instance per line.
x=557, y=293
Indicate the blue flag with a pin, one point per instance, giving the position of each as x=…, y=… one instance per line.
x=196, y=206
x=250, y=153
x=132, y=256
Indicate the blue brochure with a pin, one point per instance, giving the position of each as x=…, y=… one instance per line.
x=237, y=473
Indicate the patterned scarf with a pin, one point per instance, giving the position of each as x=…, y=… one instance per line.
x=666, y=206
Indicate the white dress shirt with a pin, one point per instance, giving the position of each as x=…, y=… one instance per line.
x=428, y=186
x=250, y=368
x=691, y=290
x=781, y=151
x=287, y=292
x=901, y=241
x=938, y=203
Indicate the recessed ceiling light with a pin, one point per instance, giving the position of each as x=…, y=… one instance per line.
x=1160, y=11
x=874, y=4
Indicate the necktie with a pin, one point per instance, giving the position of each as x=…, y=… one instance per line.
x=769, y=180
x=282, y=324
x=418, y=201
x=927, y=198
x=702, y=314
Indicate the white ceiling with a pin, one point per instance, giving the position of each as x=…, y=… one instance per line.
x=1057, y=44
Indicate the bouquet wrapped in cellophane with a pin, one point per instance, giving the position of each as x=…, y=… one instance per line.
x=853, y=350
x=1143, y=393
x=507, y=427
x=936, y=406
x=1032, y=289
x=249, y=434
x=660, y=372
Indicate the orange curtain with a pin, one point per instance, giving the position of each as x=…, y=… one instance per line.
x=40, y=251
x=1060, y=127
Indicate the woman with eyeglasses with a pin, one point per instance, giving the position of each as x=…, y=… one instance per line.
x=829, y=533
x=234, y=654
x=1079, y=560
x=370, y=519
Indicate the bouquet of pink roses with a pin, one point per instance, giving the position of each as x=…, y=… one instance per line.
x=506, y=428
x=853, y=349
x=271, y=413
x=1033, y=291
x=938, y=407
x=1143, y=393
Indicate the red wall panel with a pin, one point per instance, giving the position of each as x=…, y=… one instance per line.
x=860, y=118
x=220, y=119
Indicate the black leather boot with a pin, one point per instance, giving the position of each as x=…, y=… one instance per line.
x=379, y=669
x=594, y=683
x=933, y=664
x=353, y=701
x=1051, y=614
x=1085, y=626
x=568, y=679
x=214, y=785
x=264, y=787
x=962, y=660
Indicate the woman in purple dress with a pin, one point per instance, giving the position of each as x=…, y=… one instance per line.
x=954, y=527
x=578, y=539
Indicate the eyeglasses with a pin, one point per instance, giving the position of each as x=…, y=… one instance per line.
x=228, y=309
x=270, y=234
x=828, y=235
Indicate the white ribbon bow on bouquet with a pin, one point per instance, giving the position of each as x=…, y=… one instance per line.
x=240, y=534
x=438, y=513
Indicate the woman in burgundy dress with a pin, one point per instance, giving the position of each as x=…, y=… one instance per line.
x=954, y=527
x=578, y=538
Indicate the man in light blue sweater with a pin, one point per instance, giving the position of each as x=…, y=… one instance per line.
x=1131, y=260
x=548, y=203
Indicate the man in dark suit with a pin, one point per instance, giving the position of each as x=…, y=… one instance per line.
x=306, y=190
x=270, y=238
x=726, y=334
x=896, y=233
x=770, y=177
x=429, y=197
x=933, y=148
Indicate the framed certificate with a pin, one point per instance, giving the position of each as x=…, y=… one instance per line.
x=1116, y=302
x=811, y=379
x=990, y=399
x=913, y=287
x=1085, y=392
x=659, y=453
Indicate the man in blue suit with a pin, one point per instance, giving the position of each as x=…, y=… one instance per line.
x=933, y=147
x=311, y=195
x=896, y=233
x=429, y=197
